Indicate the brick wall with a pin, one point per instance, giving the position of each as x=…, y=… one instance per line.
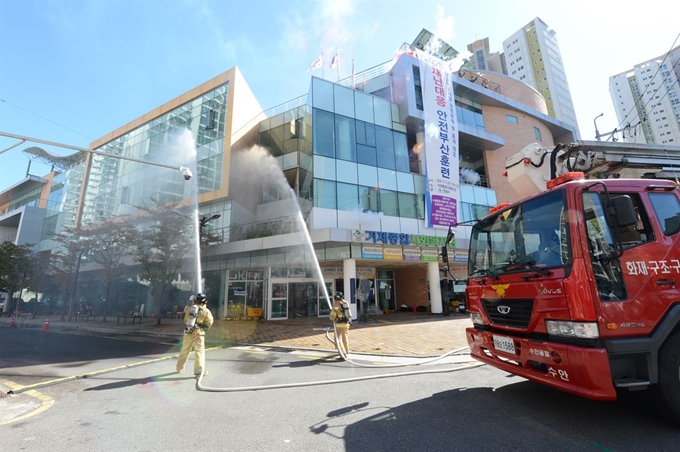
x=411, y=286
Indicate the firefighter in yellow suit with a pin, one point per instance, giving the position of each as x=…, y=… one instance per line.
x=341, y=316
x=197, y=319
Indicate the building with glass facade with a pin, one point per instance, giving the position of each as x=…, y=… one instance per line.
x=336, y=176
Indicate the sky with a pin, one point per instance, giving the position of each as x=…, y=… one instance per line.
x=72, y=71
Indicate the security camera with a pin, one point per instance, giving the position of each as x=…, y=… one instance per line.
x=186, y=172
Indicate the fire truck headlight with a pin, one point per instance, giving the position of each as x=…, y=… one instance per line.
x=582, y=330
x=476, y=318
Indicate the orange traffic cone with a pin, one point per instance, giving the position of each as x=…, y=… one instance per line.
x=46, y=326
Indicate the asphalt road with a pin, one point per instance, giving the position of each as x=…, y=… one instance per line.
x=122, y=406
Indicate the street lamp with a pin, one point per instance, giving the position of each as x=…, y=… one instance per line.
x=204, y=220
x=186, y=173
x=597, y=132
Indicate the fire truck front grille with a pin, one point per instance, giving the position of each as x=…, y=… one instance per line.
x=515, y=312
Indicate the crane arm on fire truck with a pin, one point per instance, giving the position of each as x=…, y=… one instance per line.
x=529, y=170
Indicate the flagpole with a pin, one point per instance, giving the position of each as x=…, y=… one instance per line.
x=338, y=54
x=322, y=63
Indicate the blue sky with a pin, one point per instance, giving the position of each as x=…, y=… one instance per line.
x=74, y=70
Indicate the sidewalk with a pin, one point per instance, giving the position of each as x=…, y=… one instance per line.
x=398, y=334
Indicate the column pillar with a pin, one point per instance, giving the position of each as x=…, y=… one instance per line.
x=349, y=272
x=435, y=288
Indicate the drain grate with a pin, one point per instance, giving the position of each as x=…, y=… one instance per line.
x=279, y=349
x=2, y=395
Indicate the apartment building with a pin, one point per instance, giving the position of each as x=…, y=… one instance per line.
x=646, y=99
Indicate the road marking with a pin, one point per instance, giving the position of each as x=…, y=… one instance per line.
x=21, y=389
x=45, y=402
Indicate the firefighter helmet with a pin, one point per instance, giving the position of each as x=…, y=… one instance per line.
x=200, y=298
x=338, y=296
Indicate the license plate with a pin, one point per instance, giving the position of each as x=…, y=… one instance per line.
x=504, y=344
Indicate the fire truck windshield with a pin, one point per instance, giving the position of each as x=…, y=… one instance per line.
x=533, y=234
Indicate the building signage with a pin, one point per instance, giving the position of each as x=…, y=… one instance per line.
x=430, y=255
x=393, y=254
x=412, y=254
x=394, y=238
x=460, y=256
x=371, y=252
x=337, y=272
x=441, y=143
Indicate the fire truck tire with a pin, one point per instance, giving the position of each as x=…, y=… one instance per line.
x=669, y=376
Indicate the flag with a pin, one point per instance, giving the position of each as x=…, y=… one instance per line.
x=316, y=64
x=352, y=72
x=334, y=60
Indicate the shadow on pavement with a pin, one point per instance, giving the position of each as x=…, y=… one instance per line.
x=523, y=416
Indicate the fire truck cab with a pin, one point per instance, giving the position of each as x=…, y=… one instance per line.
x=578, y=287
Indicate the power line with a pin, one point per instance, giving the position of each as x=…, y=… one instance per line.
x=48, y=120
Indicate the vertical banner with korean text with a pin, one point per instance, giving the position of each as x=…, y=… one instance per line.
x=441, y=143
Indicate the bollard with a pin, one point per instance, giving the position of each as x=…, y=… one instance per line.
x=46, y=326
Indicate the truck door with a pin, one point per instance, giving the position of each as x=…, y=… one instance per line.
x=649, y=267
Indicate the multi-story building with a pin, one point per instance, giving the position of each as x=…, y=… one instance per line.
x=483, y=59
x=647, y=100
x=337, y=176
x=532, y=56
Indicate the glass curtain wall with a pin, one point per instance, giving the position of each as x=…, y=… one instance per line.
x=116, y=186
x=360, y=161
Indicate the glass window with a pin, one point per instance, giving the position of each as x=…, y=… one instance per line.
x=389, y=202
x=667, y=209
x=290, y=160
x=325, y=194
x=369, y=198
x=405, y=183
x=366, y=155
x=537, y=134
x=401, y=152
x=370, y=135
x=347, y=171
x=512, y=119
x=363, y=106
x=324, y=168
x=361, y=132
x=480, y=195
x=345, y=139
x=344, y=101
x=419, y=182
x=324, y=131
x=385, y=147
x=466, y=193
x=322, y=94
x=387, y=179
x=348, y=198
x=407, y=205
x=420, y=205
x=368, y=175
x=383, y=113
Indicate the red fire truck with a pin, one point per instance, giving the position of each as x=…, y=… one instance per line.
x=577, y=286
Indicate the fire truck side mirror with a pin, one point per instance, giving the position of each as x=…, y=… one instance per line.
x=622, y=212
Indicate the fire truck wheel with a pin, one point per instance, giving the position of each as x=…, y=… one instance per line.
x=669, y=376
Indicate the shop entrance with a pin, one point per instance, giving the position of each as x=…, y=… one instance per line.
x=302, y=300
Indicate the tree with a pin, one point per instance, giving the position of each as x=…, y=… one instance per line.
x=111, y=241
x=40, y=279
x=161, y=245
x=65, y=263
x=15, y=268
